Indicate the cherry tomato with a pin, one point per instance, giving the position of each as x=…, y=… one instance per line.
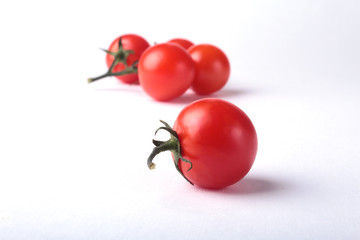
x=213, y=143
x=212, y=68
x=220, y=141
x=129, y=42
x=181, y=42
x=166, y=71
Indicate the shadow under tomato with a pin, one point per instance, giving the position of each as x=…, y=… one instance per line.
x=232, y=92
x=252, y=185
x=186, y=98
x=191, y=96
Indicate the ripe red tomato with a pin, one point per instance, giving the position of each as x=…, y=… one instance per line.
x=213, y=143
x=212, y=68
x=220, y=141
x=129, y=42
x=166, y=71
x=181, y=42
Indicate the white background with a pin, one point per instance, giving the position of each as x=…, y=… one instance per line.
x=73, y=155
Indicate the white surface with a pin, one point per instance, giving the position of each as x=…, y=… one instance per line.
x=73, y=156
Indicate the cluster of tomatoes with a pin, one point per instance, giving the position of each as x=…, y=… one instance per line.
x=166, y=70
x=213, y=142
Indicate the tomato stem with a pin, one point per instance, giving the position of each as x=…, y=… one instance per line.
x=119, y=57
x=128, y=70
x=172, y=145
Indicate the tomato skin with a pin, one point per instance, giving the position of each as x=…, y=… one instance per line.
x=129, y=42
x=182, y=42
x=212, y=68
x=220, y=141
x=166, y=71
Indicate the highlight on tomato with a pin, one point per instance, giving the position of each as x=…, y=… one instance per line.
x=122, y=57
x=213, y=143
x=212, y=68
x=182, y=42
x=166, y=71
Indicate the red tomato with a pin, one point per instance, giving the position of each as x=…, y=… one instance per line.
x=129, y=42
x=181, y=42
x=212, y=68
x=220, y=141
x=166, y=71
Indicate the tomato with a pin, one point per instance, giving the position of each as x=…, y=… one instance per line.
x=212, y=68
x=181, y=42
x=129, y=42
x=166, y=71
x=214, y=143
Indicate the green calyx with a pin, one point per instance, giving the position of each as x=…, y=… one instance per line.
x=120, y=56
x=172, y=145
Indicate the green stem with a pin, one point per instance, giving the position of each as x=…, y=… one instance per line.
x=119, y=57
x=90, y=80
x=128, y=70
x=172, y=145
x=165, y=146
